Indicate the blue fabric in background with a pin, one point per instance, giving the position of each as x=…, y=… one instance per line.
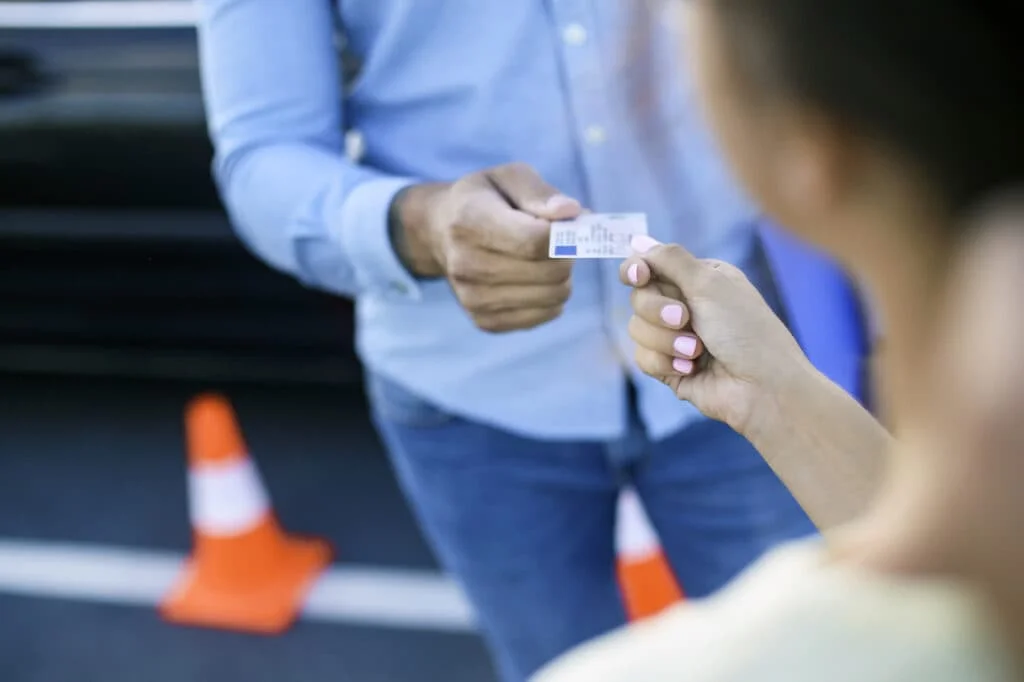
x=825, y=312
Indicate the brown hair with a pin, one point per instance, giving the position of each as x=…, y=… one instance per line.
x=939, y=81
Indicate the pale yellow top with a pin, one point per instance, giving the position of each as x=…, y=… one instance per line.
x=792, y=618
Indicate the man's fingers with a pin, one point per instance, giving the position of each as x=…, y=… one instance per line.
x=509, y=210
x=488, y=222
x=659, y=310
x=488, y=300
x=525, y=190
x=634, y=272
x=477, y=266
x=665, y=341
x=513, y=320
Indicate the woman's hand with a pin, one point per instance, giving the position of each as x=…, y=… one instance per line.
x=705, y=331
x=749, y=372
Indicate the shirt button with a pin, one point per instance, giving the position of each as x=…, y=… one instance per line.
x=574, y=35
x=355, y=146
x=595, y=135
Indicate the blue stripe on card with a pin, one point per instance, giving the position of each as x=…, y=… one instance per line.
x=565, y=250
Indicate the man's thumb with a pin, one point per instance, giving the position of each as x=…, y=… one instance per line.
x=528, y=192
x=668, y=262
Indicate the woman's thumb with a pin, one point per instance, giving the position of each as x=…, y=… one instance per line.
x=683, y=388
x=669, y=262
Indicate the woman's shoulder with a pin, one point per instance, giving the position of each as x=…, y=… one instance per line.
x=794, y=617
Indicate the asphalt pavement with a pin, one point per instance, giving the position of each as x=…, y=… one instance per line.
x=101, y=462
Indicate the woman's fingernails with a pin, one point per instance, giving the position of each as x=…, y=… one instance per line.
x=672, y=315
x=682, y=366
x=685, y=345
x=633, y=273
x=641, y=243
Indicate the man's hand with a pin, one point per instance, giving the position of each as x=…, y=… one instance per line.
x=488, y=235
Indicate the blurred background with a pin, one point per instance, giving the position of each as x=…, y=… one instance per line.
x=123, y=294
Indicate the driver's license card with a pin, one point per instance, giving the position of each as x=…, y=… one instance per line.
x=596, y=235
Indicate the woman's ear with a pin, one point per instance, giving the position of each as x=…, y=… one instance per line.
x=804, y=179
x=814, y=164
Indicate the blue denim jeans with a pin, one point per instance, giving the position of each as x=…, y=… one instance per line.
x=526, y=526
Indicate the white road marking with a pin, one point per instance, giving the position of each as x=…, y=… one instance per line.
x=98, y=14
x=420, y=600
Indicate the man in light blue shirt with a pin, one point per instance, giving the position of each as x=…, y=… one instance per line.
x=509, y=405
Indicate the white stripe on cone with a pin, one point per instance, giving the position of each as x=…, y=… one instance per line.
x=635, y=537
x=226, y=499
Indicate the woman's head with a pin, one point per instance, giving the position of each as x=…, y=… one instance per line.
x=845, y=117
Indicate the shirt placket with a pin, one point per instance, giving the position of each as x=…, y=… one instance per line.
x=577, y=25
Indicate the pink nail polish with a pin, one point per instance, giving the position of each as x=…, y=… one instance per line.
x=632, y=273
x=685, y=345
x=672, y=315
x=641, y=243
x=682, y=366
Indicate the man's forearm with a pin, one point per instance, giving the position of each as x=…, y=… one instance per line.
x=829, y=451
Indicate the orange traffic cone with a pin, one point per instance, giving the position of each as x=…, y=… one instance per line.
x=645, y=578
x=244, y=573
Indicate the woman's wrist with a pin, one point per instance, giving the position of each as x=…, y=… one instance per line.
x=779, y=404
x=824, y=446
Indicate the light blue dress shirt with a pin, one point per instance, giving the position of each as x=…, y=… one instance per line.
x=449, y=87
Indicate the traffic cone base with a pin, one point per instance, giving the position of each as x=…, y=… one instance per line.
x=651, y=587
x=268, y=606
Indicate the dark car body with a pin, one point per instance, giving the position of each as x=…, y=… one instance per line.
x=115, y=256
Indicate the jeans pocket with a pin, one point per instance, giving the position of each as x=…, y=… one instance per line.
x=394, y=403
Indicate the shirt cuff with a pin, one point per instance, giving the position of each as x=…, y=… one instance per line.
x=365, y=239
